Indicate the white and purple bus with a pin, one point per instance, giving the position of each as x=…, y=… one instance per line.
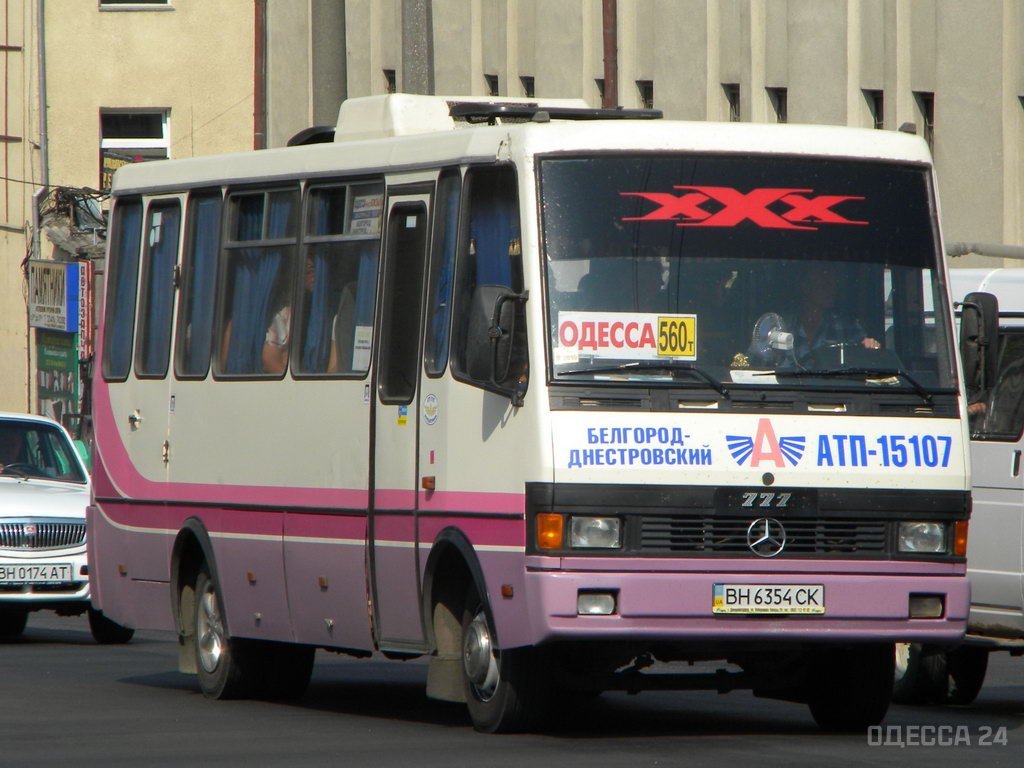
x=543, y=393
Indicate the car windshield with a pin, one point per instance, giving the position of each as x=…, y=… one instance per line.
x=733, y=268
x=30, y=449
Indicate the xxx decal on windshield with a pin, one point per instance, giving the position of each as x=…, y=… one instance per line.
x=768, y=207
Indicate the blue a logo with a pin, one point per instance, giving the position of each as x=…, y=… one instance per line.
x=766, y=447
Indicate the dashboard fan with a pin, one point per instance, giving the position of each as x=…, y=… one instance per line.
x=770, y=337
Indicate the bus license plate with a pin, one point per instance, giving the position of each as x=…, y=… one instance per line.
x=35, y=573
x=768, y=598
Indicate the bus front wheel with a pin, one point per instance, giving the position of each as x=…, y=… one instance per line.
x=850, y=687
x=224, y=665
x=505, y=689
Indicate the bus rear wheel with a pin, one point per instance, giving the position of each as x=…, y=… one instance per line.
x=106, y=631
x=505, y=689
x=850, y=687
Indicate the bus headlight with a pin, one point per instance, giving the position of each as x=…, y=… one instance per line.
x=595, y=533
x=922, y=537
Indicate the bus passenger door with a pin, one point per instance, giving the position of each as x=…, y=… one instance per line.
x=393, y=523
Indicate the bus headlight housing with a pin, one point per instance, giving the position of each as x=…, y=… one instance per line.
x=922, y=537
x=595, y=533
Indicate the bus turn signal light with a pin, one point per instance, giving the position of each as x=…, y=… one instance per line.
x=550, y=531
x=960, y=538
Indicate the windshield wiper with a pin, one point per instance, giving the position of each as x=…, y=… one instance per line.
x=914, y=383
x=654, y=365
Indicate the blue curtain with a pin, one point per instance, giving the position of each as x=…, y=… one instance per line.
x=438, y=333
x=121, y=315
x=367, y=288
x=316, y=347
x=250, y=218
x=255, y=272
x=163, y=255
x=199, y=325
x=493, y=225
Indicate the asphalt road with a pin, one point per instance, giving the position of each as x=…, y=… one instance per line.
x=69, y=702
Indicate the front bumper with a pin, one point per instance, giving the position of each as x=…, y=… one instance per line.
x=47, y=595
x=866, y=604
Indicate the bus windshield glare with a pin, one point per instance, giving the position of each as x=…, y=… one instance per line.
x=751, y=270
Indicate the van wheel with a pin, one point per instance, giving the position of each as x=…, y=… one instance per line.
x=12, y=622
x=967, y=666
x=225, y=666
x=850, y=688
x=505, y=689
x=919, y=676
x=106, y=631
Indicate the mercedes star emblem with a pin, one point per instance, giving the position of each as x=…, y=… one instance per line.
x=766, y=537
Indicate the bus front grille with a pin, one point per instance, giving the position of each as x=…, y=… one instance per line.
x=715, y=534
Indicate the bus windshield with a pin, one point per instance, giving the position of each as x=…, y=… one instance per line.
x=754, y=270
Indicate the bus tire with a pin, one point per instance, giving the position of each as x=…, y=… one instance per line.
x=226, y=667
x=107, y=631
x=966, y=666
x=12, y=622
x=505, y=689
x=850, y=688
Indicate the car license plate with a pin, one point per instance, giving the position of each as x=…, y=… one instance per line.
x=768, y=598
x=35, y=573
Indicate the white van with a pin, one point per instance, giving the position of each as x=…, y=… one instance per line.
x=995, y=555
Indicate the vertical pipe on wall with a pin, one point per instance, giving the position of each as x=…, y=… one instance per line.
x=610, y=30
x=259, y=77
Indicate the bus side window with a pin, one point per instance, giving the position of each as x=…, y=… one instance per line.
x=199, y=272
x=126, y=238
x=257, y=302
x=163, y=224
x=490, y=262
x=342, y=243
x=442, y=265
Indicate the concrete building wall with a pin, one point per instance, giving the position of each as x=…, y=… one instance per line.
x=21, y=172
x=192, y=57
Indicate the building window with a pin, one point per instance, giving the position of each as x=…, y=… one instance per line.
x=777, y=97
x=528, y=89
x=646, y=91
x=390, y=85
x=732, y=98
x=126, y=5
x=926, y=108
x=492, y=84
x=131, y=136
x=876, y=108
x=599, y=84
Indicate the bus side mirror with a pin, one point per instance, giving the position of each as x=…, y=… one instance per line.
x=491, y=338
x=979, y=341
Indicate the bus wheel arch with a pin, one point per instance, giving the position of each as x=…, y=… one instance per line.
x=192, y=549
x=452, y=567
x=503, y=689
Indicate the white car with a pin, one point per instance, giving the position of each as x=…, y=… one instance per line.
x=44, y=490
